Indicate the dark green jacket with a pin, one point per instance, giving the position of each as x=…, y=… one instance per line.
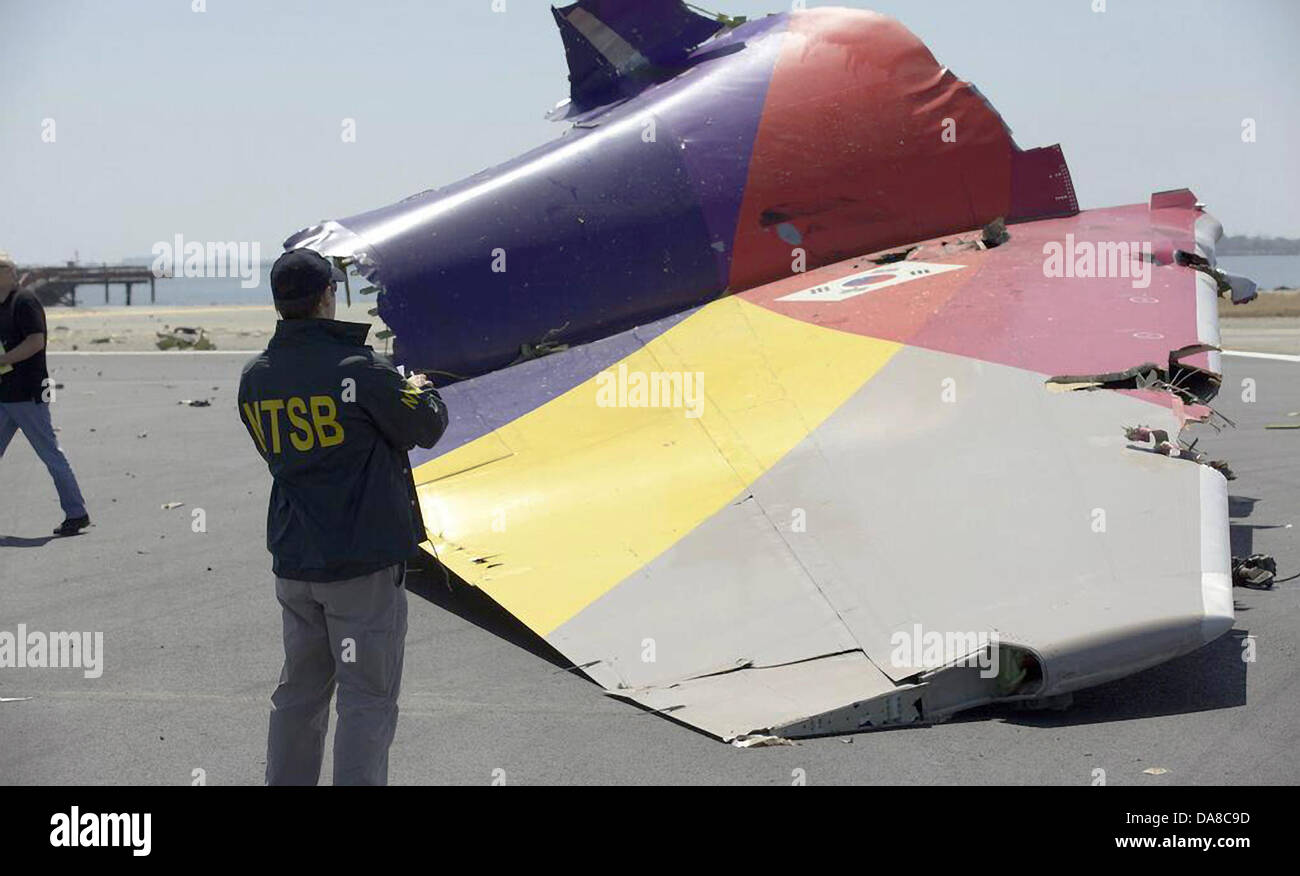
x=334, y=421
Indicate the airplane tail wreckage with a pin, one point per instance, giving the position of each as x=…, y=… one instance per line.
x=791, y=397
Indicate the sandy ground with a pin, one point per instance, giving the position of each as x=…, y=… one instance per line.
x=1270, y=324
x=192, y=634
x=1268, y=305
x=135, y=329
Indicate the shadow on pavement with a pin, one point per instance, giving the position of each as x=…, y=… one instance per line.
x=19, y=541
x=1212, y=677
x=433, y=583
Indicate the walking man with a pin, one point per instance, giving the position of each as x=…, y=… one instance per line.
x=25, y=392
x=334, y=420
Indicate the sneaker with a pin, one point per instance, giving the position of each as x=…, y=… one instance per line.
x=73, y=525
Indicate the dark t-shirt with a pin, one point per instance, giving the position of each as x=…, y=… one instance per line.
x=21, y=316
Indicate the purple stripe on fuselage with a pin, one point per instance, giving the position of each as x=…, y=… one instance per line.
x=596, y=232
x=569, y=244
x=720, y=139
x=485, y=404
x=713, y=113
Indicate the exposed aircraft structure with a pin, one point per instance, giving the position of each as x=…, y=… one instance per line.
x=765, y=419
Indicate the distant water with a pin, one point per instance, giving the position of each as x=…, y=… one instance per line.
x=1270, y=272
x=186, y=292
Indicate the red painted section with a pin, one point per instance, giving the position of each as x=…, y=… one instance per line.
x=1041, y=187
x=851, y=156
x=895, y=313
x=1002, y=307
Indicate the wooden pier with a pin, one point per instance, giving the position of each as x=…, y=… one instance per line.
x=56, y=286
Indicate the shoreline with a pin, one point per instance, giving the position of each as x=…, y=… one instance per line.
x=227, y=327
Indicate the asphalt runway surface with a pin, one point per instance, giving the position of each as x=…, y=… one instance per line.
x=192, y=634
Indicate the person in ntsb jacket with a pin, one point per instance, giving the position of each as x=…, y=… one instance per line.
x=334, y=421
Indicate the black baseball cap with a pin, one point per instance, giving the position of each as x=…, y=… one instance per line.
x=301, y=273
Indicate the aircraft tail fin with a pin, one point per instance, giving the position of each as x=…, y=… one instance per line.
x=614, y=47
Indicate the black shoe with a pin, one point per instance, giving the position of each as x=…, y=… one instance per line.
x=73, y=525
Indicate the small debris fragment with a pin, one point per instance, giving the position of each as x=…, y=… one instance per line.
x=1161, y=443
x=170, y=505
x=995, y=234
x=1155, y=771
x=759, y=740
x=183, y=338
x=1148, y=375
x=196, y=402
x=890, y=257
x=1257, y=571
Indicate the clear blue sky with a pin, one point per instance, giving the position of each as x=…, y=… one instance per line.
x=224, y=125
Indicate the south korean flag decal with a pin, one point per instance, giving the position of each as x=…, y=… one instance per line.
x=877, y=278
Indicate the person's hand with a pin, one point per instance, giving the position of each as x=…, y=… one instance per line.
x=418, y=380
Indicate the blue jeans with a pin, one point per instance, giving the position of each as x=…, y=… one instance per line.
x=34, y=420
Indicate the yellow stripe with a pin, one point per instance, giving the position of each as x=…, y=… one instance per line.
x=551, y=511
x=252, y=413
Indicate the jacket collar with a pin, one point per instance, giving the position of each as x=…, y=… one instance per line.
x=306, y=331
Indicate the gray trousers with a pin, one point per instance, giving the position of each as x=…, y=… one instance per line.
x=34, y=420
x=352, y=632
